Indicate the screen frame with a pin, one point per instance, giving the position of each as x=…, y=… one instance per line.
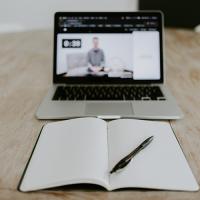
x=103, y=80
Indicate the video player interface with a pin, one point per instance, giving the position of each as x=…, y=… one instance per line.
x=125, y=47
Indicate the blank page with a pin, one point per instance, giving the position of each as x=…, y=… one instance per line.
x=71, y=151
x=161, y=165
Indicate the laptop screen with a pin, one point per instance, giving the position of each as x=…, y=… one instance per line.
x=112, y=47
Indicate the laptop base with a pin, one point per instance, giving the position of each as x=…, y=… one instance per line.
x=167, y=109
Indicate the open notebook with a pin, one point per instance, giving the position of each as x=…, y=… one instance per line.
x=84, y=150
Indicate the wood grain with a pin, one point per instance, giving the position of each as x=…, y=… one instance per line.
x=25, y=76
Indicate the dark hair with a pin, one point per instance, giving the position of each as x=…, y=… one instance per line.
x=95, y=38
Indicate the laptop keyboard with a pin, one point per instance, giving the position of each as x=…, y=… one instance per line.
x=107, y=93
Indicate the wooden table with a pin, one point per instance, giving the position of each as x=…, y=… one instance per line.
x=25, y=76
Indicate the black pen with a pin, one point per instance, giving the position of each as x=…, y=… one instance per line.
x=124, y=162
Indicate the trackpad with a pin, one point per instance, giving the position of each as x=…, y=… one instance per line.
x=108, y=108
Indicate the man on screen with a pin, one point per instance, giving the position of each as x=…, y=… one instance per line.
x=96, y=58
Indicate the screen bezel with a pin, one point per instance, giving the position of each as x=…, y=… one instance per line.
x=103, y=80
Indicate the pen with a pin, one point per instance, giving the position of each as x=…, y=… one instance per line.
x=125, y=161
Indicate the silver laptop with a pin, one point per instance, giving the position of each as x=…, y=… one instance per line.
x=108, y=65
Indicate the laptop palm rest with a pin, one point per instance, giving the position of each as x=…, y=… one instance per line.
x=108, y=108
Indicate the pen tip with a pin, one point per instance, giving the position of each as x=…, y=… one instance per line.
x=112, y=171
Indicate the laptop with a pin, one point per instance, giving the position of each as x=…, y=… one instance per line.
x=108, y=65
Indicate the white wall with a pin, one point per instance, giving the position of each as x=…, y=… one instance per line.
x=20, y=15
